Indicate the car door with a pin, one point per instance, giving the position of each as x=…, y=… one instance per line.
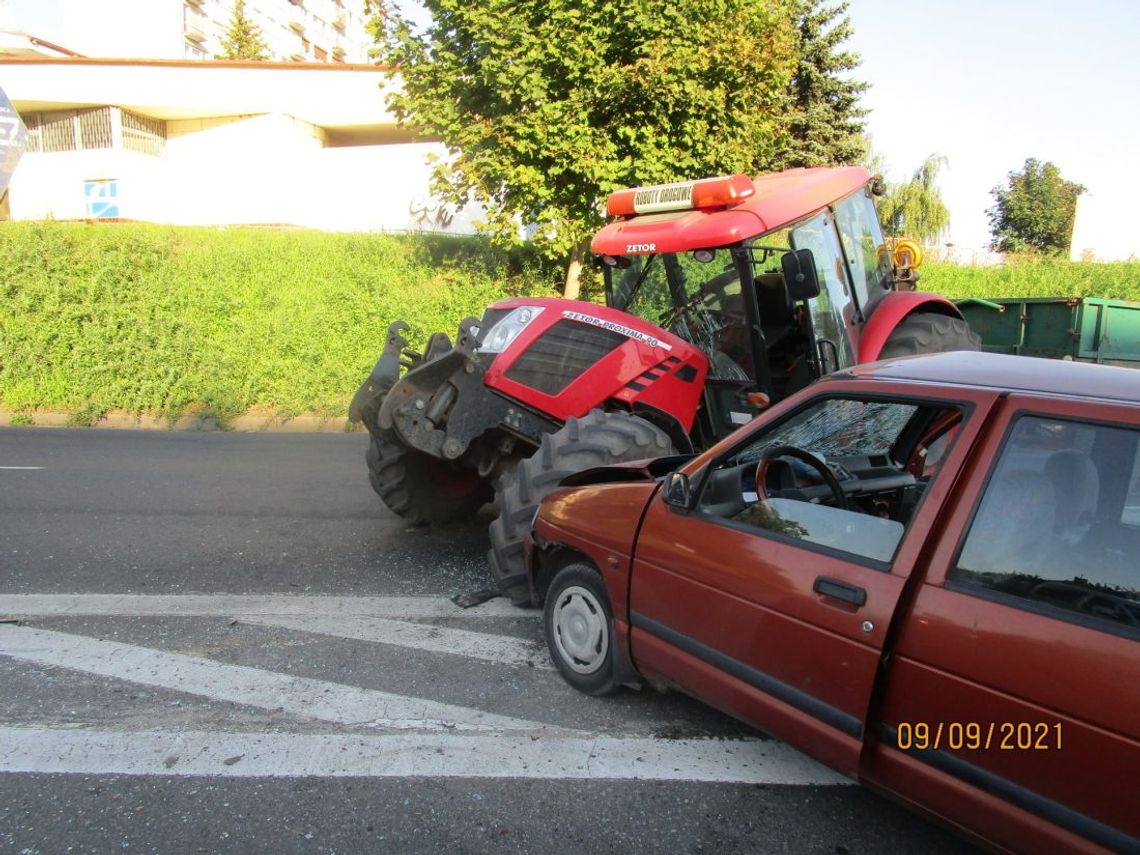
x=783, y=624
x=1012, y=700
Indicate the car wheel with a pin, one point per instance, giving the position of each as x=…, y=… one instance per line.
x=579, y=629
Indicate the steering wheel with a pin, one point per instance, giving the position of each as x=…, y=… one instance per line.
x=805, y=456
x=718, y=285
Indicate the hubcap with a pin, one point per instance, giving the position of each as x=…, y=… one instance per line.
x=581, y=633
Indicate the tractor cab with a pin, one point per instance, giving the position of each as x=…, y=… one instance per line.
x=772, y=278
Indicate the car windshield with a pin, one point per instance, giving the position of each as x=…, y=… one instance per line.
x=839, y=428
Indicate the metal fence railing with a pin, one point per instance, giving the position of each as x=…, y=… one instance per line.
x=146, y=136
x=95, y=128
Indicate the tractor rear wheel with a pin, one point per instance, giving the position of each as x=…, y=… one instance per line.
x=596, y=439
x=420, y=488
x=927, y=332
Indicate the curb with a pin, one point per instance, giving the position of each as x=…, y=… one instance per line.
x=128, y=421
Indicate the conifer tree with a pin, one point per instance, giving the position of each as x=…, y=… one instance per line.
x=243, y=38
x=825, y=119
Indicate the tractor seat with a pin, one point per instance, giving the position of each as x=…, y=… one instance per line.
x=777, y=313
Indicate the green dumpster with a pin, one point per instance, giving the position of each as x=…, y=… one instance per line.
x=1085, y=329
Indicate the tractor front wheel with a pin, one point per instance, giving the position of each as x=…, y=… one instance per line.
x=596, y=439
x=927, y=332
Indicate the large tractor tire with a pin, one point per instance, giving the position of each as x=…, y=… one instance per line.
x=927, y=332
x=596, y=439
x=420, y=488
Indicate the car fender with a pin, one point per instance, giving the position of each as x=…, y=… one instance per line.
x=890, y=311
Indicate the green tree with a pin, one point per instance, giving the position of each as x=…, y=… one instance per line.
x=915, y=209
x=243, y=38
x=1034, y=212
x=826, y=119
x=546, y=106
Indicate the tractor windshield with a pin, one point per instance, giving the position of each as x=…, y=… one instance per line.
x=697, y=300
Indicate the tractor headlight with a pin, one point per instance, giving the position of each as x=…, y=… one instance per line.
x=507, y=329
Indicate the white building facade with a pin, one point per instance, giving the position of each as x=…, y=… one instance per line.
x=218, y=143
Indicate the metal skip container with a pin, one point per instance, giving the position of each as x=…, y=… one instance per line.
x=1084, y=329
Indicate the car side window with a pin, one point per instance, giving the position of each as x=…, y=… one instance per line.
x=844, y=474
x=1058, y=525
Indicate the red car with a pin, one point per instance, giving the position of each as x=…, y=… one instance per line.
x=923, y=572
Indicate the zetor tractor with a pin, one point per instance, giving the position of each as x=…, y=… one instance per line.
x=722, y=295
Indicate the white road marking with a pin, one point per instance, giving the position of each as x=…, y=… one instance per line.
x=35, y=750
x=237, y=605
x=22, y=468
x=431, y=739
x=301, y=696
x=418, y=636
x=378, y=619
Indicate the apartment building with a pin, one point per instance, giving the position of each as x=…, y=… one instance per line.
x=297, y=30
x=293, y=30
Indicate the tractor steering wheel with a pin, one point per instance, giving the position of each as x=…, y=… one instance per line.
x=805, y=456
x=718, y=286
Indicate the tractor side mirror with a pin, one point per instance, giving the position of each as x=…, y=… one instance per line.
x=678, y=492
x=800, y=274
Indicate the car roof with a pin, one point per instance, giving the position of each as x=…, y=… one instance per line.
x=1029, y=374
x=780, y=199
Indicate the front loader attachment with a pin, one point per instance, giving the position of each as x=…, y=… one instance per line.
x=366, y=402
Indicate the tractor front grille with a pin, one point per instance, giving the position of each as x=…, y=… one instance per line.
x=561, y=354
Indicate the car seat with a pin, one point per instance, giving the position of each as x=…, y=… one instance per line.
x=1013, y=529
x=1076, y=487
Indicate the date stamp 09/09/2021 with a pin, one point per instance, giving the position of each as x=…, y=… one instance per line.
x=979, y=736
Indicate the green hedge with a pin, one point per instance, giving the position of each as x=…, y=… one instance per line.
x=165, y=321
x=1028, y=277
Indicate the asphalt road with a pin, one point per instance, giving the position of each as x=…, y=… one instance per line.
x=226, y=643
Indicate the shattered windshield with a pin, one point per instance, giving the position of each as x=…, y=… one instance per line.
x=698, y=301
x=838, y=428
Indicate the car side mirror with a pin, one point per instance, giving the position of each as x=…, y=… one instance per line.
x=800, y=274
x=678, y=492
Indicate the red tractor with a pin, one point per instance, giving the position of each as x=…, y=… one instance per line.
x=722, y=295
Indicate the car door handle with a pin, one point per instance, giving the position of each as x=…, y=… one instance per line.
x=839, y=590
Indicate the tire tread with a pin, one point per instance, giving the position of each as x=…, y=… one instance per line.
x=596, y=439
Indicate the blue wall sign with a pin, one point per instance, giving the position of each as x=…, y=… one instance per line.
x=102, y=197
